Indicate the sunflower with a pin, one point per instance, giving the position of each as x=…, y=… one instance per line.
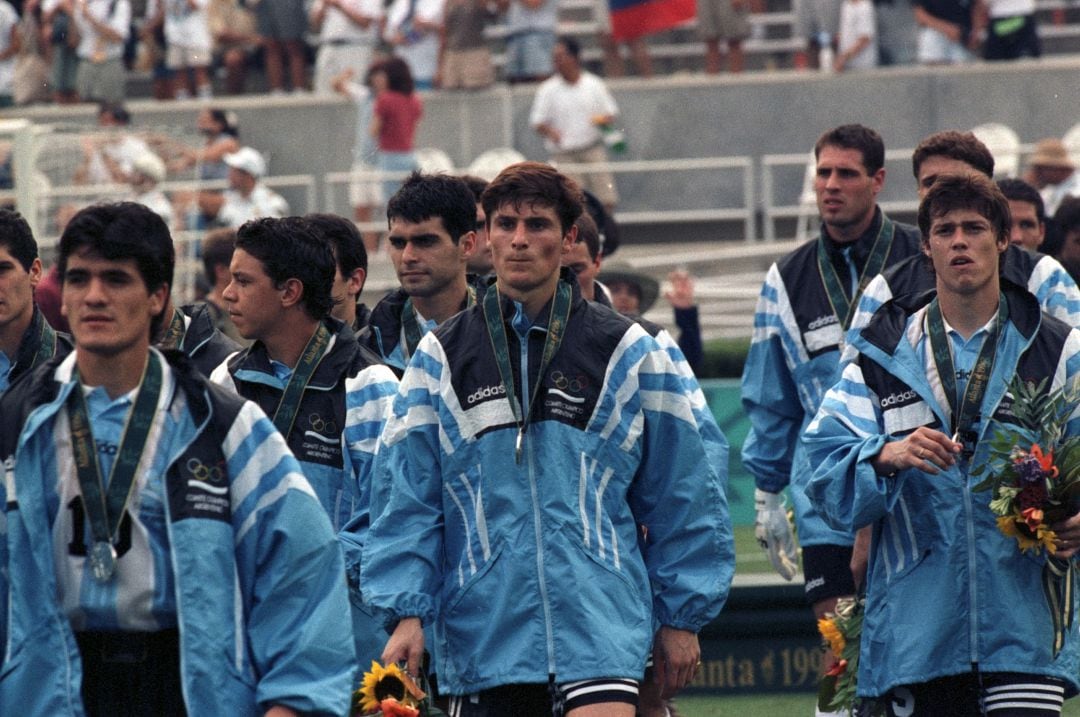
x=828, y=629
x=1044, y=537
x=381, y=683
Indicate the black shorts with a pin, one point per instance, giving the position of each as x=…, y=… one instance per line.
x=134, y=674
x=989, y=694
x=827, y=569
x=542, y=700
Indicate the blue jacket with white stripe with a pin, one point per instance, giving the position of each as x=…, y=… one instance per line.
x=539, y=568
x=945, y=588
x=254, y=560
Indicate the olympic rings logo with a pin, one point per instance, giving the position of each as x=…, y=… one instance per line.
x=563, y=383
x=320, y=425
x=203, y=472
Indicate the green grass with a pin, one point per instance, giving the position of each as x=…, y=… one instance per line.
x=749, y=557
x=777, y=705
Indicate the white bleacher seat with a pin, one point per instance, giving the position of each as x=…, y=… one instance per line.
x=1004, y=144
x=488, y=164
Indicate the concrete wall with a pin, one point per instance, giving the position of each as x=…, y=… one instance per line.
x=672, y=117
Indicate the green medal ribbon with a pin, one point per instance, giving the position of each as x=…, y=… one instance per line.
x=965, y=409
x=557, y=320
x=174, y=335
x=105, y=506
x=46, y=344
x=412, y=327
x=313, y=353
x=842, y=306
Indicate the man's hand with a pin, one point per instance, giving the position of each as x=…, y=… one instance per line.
x=924, y=449
x=1068, y=536
x=406, y=643
x=773, y=532
x=279, y=711
x=676, y=655
x=681, y=295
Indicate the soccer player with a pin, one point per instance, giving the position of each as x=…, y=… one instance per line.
x=159, y=538
x=532, y=436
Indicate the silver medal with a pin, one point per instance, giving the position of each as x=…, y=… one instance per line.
x=103, y=561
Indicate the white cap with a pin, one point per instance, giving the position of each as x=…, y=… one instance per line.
x=247, y=159
x=150, y=165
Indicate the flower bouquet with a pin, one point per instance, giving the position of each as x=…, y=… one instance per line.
x=1034, y=477
x=841, y=631
x=391, y=692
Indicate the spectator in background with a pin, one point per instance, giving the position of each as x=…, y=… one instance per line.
x=348, y=34
x=59, y=28
x=365, y=195
x=281, y=25
x=896, y=31
x=1067, y=221
x=397, y=112
x=857, y=47
x=147, y=172
x=613, y=62
x=464, y=58
x=949, y=30
x=247, y=197
x=10, y=44
x=530, y=39
x=103, y=27
x=235, y=40
x=1012, y=32
x=1028, y=214
x=188, y=46
x=1053, y=173
x=109, y=156
x=816, y=24
x=412, y=29
x=569, y=111
x=723, y=21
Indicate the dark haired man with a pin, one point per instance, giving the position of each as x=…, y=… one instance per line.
x=432, y=221
x=570, y=111
x=327, y=394
x=350, y=260
x=26, y=339
x=165, y=589
x=894, y=448
x=479, y=264
x=806, y=304
x=522, y=451
x=216, y=252
x=1028, y=213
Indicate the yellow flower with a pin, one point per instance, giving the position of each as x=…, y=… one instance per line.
x=1044, y=537
x=827, y=627
x=382, y=682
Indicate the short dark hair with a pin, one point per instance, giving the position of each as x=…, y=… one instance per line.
x=16, y=237
x=968, y=191
x=1067, y=216
x=572, y=46
x=344, y=238
x=535, y=183
x=424, y=196
x=476, y=185
x=226, y=119
x=962, y=146
x=864, y=140
x=398, y=76
x=115, y=110
x=1017, y=190
x=123, y=230
x=289, y=249
x=588, y=234
x=217, y=250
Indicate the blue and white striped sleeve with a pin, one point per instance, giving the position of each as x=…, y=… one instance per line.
x=770, y=396
x=874, y=296
x=1056, y=291
x=845, y=434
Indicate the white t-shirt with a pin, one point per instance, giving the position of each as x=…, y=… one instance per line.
x=569, y=109
x=422, y=55
x=9, y=20
x=337, y=26
x=857, y=20
x=263, y=202
x=114, y=13
x=184, y=26
x=123, y=150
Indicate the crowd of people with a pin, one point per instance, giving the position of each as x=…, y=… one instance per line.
x=71, y=50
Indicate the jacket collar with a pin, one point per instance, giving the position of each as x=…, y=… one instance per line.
x=329, y=371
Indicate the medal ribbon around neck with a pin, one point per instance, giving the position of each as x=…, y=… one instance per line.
x=105, y=506
x=313, y=353
x=560, y=314
x=965, y=409
x=174, y=335
x=842, y=307
x=412, y=326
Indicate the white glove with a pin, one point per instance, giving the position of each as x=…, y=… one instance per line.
x=773, y=533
